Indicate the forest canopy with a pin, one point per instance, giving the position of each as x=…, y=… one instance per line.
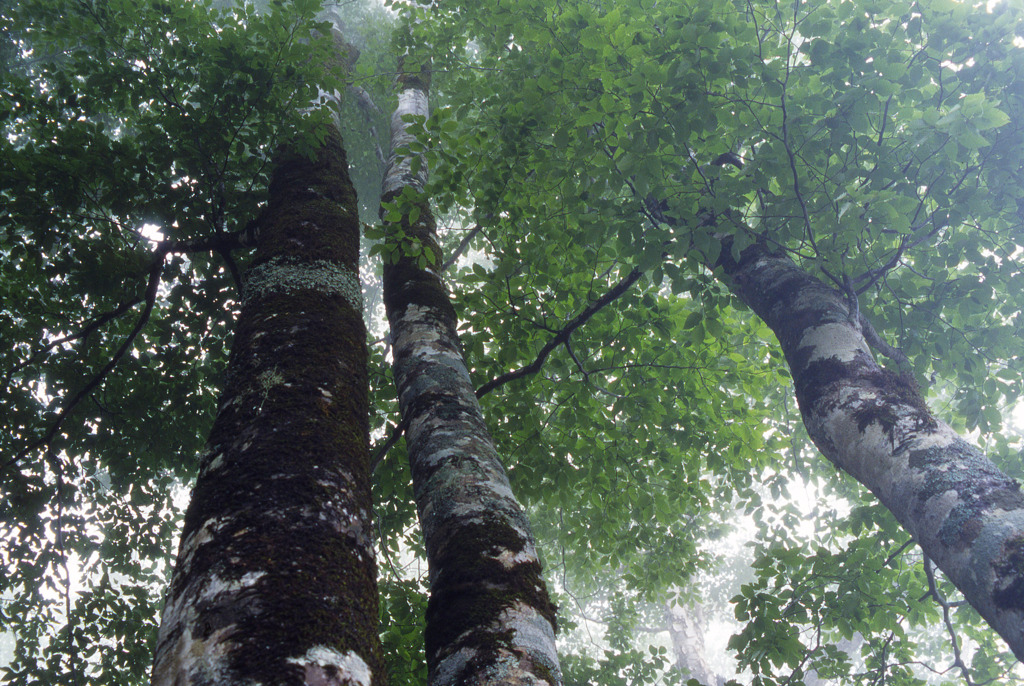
x=681, y=239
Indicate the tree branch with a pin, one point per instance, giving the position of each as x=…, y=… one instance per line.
x=879, y=344
x=463, y=244
x=563, y=335
x=83, y=332
x=586, y=374
x=156, y=270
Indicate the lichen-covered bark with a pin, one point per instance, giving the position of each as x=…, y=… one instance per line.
x=275, y=581
x=489, y=617
x=964, y=512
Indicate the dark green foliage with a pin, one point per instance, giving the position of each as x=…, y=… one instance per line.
x=894, y=163
x=880, y=151
x=120, y=119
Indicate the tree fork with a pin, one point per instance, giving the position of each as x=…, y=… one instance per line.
x=275, y=581
x=967, y=516
x=489, y=617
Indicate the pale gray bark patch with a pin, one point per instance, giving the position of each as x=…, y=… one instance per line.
x=325, y=666
x=411, y=102
x=200, y=650
x=504, y=666
x=281, y=275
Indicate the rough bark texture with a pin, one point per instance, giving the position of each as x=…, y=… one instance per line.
x=965, y=513
x=489, y=617
x=275, y=581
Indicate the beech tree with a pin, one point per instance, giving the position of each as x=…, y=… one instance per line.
x=489, y=618
x=283, y=491
x=658, y=218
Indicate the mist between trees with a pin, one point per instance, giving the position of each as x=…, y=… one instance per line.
x=693, y=354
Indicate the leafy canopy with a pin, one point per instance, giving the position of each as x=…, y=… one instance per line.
x=881, y=147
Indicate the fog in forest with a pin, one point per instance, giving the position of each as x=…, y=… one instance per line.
x=619, y=342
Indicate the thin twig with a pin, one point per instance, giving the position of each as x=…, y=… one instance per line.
x=933, y=591
x=586, y=374
x=381, y=452
x=58, y=471
x=897, y=552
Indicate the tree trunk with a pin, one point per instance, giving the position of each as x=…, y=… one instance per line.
x=686, y=629
x=967, y=516
x=489, y=617
x=275, y=581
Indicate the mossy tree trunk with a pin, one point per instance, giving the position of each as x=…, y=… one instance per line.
x=489, y=617
x=275, y=581
x=967, y=516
